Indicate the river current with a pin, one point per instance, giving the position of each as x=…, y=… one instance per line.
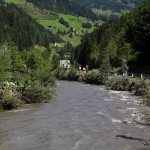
x=79, y=117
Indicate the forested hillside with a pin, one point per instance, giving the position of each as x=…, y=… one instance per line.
x=127, y=38
x=19, y=28
x=64, y=6
x=69, y=27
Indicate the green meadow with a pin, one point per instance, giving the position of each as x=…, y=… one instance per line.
x=74, y=21
x=15, y=1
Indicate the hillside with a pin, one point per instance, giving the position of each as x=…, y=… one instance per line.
x=50, y=20
x=109, y=7
x=20, y=29
x=64, y=6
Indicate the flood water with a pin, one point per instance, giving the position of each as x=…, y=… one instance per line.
x=80, y=117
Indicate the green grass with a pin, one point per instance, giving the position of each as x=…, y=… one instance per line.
x=74, y=22
x=74, y=41
x=15, y=1
x=55, y=25
x=37, y=13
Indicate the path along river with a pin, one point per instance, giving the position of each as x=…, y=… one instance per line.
x=80, y=117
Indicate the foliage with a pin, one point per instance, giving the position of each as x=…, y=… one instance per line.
x=94, y=77
x=25, y=72
x=73, y=75
x=63, y=74
x=36, y=92
x=62, y=21
x=138, y=31
x=142, y=87
x=120, y=84
x=121, y=39
x=9, y=96
x=86, y=25
x=29, y=75
x=5, y=63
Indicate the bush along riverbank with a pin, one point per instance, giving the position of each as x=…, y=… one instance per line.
x=25, y=77
x=13, y=95
x=140, y=87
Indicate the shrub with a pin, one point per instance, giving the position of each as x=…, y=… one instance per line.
x=93, y=77
x=72, y=75
x=86, y=25
x=43, y=76
x=36, y=92
x=63, y=74
x=9, y=96
x=142, y=87
x=146, y=99
x=120, y=83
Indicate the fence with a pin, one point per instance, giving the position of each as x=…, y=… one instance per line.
x=133, y=75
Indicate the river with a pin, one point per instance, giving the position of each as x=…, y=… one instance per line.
x=79, y=117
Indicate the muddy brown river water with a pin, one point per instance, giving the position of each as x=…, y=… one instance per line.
x=80, y=117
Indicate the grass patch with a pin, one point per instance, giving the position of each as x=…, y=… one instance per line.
x=74, y=41
x=37, y=13
x=53, y=25
x=74, y=22
x=15, y=1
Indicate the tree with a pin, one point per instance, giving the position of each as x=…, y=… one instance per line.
x=65, y=23
x=138, y=32
x=5, y=63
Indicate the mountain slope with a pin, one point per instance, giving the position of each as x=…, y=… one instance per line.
x=20, y=29
x=51, y=21
x=64, y=6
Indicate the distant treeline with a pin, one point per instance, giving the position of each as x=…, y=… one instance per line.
x=20, y=29
x=127, y=38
